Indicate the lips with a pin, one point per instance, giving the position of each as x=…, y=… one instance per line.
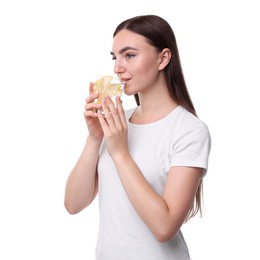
x=124, y=80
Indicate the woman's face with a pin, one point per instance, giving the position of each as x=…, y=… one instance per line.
x=136, y=61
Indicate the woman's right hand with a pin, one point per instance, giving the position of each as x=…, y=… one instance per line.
x=94, y=127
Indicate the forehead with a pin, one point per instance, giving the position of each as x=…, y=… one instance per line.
x=127, y=38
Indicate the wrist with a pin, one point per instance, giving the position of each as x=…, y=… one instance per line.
x=121, y=158
x=94, y=140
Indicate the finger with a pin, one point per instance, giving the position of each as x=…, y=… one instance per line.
x=90, y=113
x=90, y=102
x=91, y=99
x=103, y=123
x=114, y=113
x=121, y=111
x=106, y=108
x=91, y=87
x=92, y=107
x=92, y=96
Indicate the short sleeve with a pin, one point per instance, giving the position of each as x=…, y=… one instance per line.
x=192, y=148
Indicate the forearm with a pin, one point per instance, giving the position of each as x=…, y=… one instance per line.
x=150, y=206
x=82, y=182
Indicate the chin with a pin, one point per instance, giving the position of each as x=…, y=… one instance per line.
x=127, y=92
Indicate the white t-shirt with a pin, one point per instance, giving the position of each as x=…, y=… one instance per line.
x=179, y=139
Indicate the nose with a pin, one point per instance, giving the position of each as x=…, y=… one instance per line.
x=118, y=67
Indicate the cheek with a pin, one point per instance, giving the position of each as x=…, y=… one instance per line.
x=149, y=70
x=146, y=67
x=144, y=73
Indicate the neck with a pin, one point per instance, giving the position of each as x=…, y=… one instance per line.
x=153, y=106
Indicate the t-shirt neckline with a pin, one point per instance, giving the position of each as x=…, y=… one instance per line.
x=169, y=115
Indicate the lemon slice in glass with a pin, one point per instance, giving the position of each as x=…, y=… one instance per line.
x=108, y=85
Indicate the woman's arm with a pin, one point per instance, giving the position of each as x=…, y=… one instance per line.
x=164, y=214
x=82, y=183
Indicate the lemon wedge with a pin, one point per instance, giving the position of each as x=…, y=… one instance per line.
x=107, y=85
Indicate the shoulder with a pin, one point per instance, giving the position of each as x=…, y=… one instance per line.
x=186, y=122
x=188, y=130
x=191, y=141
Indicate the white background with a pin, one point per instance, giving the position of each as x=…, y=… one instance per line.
x=51, y=49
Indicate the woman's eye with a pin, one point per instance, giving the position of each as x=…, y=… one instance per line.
x=129, y=55
x=113, y=57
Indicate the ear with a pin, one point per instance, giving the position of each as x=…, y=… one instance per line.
x=164, y=58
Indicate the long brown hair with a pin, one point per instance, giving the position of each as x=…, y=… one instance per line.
x=160, y=35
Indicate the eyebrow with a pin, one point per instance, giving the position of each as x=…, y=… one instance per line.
x=127, y=48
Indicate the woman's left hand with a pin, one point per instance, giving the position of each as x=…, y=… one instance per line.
x=114, y=125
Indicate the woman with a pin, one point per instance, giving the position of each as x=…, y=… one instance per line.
x=146, y=164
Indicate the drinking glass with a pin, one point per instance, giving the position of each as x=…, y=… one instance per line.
x=108, y=86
